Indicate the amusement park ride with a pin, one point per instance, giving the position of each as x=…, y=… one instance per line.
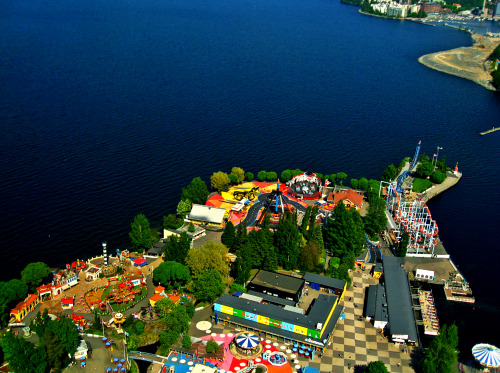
x=249, y=194
x=275, y=206
x=414, y=218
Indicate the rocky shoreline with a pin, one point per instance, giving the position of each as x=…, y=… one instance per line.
x=466, y=62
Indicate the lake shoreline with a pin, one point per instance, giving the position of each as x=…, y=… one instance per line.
x=466, y=62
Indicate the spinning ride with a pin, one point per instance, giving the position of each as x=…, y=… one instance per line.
x=306, y=185
x=247, y=343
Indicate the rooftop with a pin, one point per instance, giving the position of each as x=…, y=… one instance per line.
x=328, y=282
x=277, y=281
x=399, y=303
x=207, y=214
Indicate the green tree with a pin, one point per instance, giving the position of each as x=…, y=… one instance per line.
x=305, y=221
x=54, y=348
x=442, y=354
x=354, y=183
x=139, y=327
x=317, y=238
x=375, y=219
x=208, y=285
x=172, y=274
x=170, y=221
x=438, y=177
x=164, y=306
x=11, y=292
x=240, y=270
x=286, y=242
x=363, y=183
x=344, y=233
x=309, y=257
x=240, y=237
x=233, y=178
x=286, y=175
x=22, y=355
x=212, y=346
x=140, y=235
x=35, y=274
x=167, y=339
x=376, y=367
x=229, y=235
x=261, y=176
x=271, y=176
x=191, y=228
x=390, y=173
x=249, y=176
x=219, y=181
x=332, y=178
x=186, y=341
x=184, y=207
x=196, y=191
x=424, y=169
x=210, y=256
x=239, y=173
x=177, y=247
x=341, y=176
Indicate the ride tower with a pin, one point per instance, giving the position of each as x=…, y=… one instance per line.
x=275, y=206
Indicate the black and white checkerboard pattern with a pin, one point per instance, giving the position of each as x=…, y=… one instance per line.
x=354, y=342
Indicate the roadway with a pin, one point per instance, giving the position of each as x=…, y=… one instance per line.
x=253, y=211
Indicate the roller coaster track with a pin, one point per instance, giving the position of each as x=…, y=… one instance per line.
x=413, y=217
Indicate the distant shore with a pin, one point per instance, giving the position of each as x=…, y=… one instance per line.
x=466, y=62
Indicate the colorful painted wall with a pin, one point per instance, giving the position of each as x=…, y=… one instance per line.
x=273, y=322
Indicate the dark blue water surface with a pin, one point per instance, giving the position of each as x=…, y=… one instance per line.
x=108, y=108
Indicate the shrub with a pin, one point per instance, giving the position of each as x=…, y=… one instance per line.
x=212, y=346
x=249, y=176
x=438, y=177
x=261, y=176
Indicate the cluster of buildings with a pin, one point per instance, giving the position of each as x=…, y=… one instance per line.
x=272, y=307
x=62, y=280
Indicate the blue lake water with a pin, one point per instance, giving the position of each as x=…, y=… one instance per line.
x=108, y=108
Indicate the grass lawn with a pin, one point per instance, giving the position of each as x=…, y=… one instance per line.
x=421, y=185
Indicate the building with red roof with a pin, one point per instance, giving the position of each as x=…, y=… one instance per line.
x=349, y=197
x=67, y=303
x=19, y=312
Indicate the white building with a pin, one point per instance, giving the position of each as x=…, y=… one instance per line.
x=396, y=10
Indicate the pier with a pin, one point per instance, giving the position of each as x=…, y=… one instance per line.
x=489, y=131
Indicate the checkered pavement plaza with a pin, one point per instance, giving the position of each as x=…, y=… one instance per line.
x=354, y=342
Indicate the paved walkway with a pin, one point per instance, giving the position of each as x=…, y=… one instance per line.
x=354, y=342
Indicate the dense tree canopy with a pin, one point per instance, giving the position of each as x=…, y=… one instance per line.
x=172, y=274
x=249, y=176
x=442, y=354
x=308, y=257
x=184, y=207
x=438, y=177
x=196, y=191
x=390, y=173
x=208, y=285
x=219, y=181
x=140, y=235
x=341, y=176
x=286, y=175
x=229, y=235
x=11, y=292
x=262, y=175
x=286, y=242
x=35, y=274
x=271, y=176
x=375, y=219
x=210, y=256
x=344, y=233
x=170, y=221
x=177, y=247
x=239, y=173
x=22, y=355
x=424, y=169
